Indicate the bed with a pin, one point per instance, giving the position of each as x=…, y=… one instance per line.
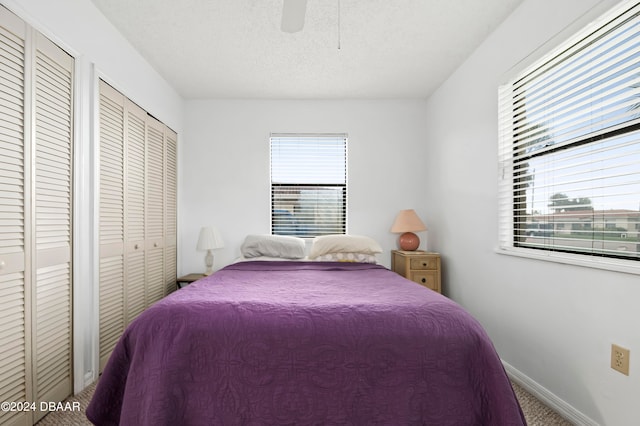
x=304, y=343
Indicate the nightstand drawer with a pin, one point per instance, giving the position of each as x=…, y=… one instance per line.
x=422, y=267
x=428, y=279
x=424, y=263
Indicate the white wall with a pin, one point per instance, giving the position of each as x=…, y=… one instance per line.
x=224, y=167
x=81, y=29
x=100, y=51
x=553, y=323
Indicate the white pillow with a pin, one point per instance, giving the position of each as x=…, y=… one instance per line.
x=326, y=244
x=346, y=257
x=279, y=246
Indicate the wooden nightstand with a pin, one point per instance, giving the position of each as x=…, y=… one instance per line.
x=419, y=266
x=188, y=279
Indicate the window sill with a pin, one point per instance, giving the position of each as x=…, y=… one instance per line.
x=617, y=265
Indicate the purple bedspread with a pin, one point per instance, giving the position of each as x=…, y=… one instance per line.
x=304, y=343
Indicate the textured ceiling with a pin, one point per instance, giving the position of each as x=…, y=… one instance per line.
x=348, y=49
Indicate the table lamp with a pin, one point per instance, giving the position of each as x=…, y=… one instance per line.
x=209, y=240
x=407, y=222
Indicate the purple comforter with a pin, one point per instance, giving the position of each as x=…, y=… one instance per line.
x=304, y=343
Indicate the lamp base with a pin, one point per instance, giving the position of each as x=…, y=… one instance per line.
x=409, y=241
x=208, y=260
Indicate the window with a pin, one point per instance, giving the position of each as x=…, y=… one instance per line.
x=570, y=145
x=308, y=184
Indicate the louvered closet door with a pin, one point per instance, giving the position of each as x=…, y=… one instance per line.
x=14, y=327
x=155, y=211
x=35, y=219
x=112, y=303
x=53, y=221
x=171, y=193
x=135, y=158
x=134, y=170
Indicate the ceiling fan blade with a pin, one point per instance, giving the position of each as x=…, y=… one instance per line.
x=293, y=12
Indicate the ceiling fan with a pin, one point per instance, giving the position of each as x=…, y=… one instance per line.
x=293, y=12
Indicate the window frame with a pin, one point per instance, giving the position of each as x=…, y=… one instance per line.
x=507, y=196
x=342, y=206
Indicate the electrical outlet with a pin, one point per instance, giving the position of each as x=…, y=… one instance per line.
x=620, y=359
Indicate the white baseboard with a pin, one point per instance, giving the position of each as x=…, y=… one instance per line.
x=89, y=378
x=548, y=398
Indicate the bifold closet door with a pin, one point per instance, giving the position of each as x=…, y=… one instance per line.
x=52, y=211
x=135, y=216
x=122, y=216
x=35, y=219
x=111, y=228
x=171, y=199
x=15, y=321
x=138, y=193
x=154, y=231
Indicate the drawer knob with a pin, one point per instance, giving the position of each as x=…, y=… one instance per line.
x=424, y=280
x=424, y=263
x=155, y=244
x=2, y=264
x=135, y=247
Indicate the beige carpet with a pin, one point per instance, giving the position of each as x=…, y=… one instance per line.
x=536, y=413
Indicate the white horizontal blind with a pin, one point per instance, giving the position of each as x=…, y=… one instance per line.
x=308, y=184
x=570, y=144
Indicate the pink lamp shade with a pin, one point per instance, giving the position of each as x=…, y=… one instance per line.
x=407, y=222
